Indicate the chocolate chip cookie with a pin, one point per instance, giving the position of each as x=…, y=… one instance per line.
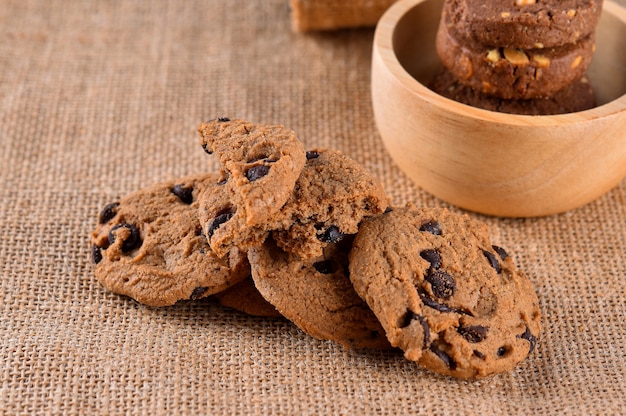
x=332, y=195
x=455, y=303
x=149, y=245
x=525, y=24
x=260, y=166
x=261, y=163
x=512, y=73
x=316, y=294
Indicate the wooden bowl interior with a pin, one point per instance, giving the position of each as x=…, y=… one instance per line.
x=608, y=67
x=489, y=162
x=414, y=47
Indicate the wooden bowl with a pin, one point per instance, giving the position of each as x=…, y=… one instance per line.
x=488, y=162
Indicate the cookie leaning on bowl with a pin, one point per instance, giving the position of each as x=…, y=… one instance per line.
x=452, y=301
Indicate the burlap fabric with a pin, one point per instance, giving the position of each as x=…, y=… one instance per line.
x=98, y=99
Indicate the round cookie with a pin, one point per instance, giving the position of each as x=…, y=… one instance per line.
x=525, y=24
x=260, y=162
x=512, y=73
x=331, y=197
x=578, y=96
x=149, y=245
x=245, y=297
x=316, y=294
x=450, y=300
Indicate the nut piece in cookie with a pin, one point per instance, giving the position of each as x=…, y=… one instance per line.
x=150, y=246
x=452, y=301
x=316, y=294
x=331, y=197
x=260, y=164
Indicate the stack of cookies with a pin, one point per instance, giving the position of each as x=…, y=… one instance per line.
x=309, y=235
x=518, y=56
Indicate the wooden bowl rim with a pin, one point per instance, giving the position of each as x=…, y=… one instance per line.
x=383, y=48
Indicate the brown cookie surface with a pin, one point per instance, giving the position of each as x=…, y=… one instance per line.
x=316, y=294
x=452, y=301
x=332, y=195
x=512, y=73
x=261, y=163
x=224, y=222
x=149, y=245
x=260, y=166
x=245, y=297
x=578, y=96
x=525, y=24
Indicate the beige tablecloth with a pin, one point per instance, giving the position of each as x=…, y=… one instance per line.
x=98, y=99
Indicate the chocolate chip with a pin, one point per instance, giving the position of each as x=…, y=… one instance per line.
x=407, y=318
x=493, y=261
x=426, y=329
x=185, y=194
x=479, y=354
x=433, y=257
x=528, y=336
x=432, y=227
x=502, y=351
x=501, y=252
x=346, y=270
x=96, y=254
x=223, y=119
x=326, y=266
x=205, y=147
x=257, y=172
x=312, y=154
x=108, y=212
x=473, y=333
x=450, y=363
x=198, y=292
x=442, y=283
x=133, y=240
x=224, y=176
x=331, y=235
x=431, y=303
x=388, y=210
x=220, y=219
x=374, y=334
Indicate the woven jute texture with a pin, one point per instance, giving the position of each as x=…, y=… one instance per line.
x=98, y=99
